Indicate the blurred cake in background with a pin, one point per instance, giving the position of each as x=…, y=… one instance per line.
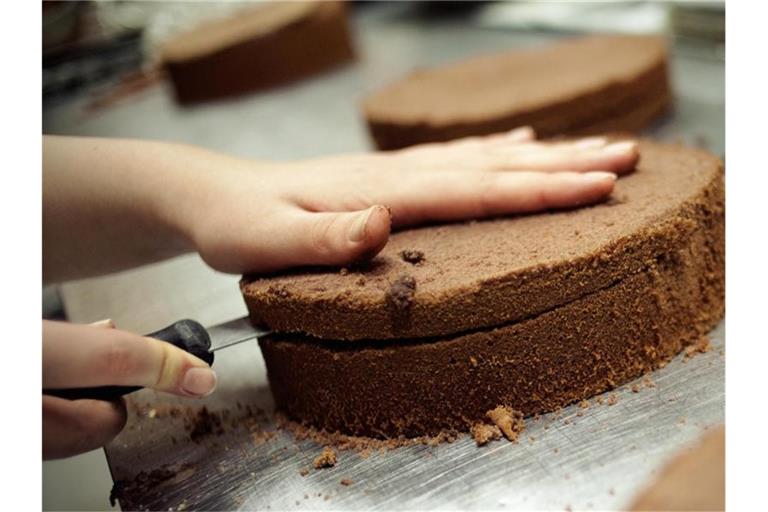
x=255, y=47
x=579, y=86
x=693, y=480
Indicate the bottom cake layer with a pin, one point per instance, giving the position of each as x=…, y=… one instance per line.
x=424, y=387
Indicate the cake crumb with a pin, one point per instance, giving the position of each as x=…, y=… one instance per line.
x=326, y=459
x=412, y=256
x=346, y=482
x=584, y=404
x=509, y=421
x=400, y=294
x=483, y=433
x=635, y=388
x=304, y=471
x=648, y=382
x=262, y=436
x=613, y=399
x=473, y=361
x=203, y=423
x=700, y=347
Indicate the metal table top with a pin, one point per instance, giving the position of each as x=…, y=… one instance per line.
x=597, y=460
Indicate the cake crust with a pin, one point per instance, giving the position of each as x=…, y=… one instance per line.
x=585, y=314
x=490, y=273
x=258, y=48
x=546, y=88
x=570, y=353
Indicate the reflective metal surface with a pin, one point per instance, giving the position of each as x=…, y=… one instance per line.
x=233, y=332
x=594, y=458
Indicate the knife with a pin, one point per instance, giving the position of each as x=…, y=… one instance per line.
x=188, y=335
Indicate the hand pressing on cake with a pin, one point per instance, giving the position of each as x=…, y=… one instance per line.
x=113, y=204
x=99, y=355
x=335, y=210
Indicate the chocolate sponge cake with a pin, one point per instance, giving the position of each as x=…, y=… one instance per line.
x=256, y=48
x=485, y=274
x=531, y=313
x=586, y=85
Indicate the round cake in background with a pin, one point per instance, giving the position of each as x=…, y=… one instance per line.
x=256, y=46
x=530, y=313
x=693, y=480
x=585, y=85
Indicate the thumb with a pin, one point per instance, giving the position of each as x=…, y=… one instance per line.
x=335, y=238
x=84, y=356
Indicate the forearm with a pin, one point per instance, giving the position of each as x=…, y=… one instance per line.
x=113, y=204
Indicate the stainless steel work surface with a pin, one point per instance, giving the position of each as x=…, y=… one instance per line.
x=584, y=458
x=597, y=460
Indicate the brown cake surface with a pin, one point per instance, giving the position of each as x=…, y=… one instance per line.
x=584, y=85
x=485, y=274
x=531, y=313
x=693, y=480
x=257, y=47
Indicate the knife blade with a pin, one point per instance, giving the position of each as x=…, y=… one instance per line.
x=234, y=332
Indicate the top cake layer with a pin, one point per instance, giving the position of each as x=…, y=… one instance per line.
x=482, y=274
x=559, y=88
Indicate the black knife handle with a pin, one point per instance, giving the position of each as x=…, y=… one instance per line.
x=186, y=334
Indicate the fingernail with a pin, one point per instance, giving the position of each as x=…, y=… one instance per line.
x=358, y=229
x=107, y=323
x=619, y=148
x=522, y=132
x=595, y=176
x=199, y=381
x=591, y=142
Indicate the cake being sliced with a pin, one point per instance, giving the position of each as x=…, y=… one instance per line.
x=585, y=85
x=531, y=313
x=483, y=274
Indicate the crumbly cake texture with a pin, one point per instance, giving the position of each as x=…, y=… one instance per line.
x=596, y=297
x=259, y=47
x=578, y=86
x=693, y=480
x=484, y=274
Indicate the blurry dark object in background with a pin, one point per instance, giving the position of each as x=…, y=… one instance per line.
x=699, y=20
x=257, y=48
x=81, y=50
x=61, y=23
x=580, y=86
x=447, y=9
